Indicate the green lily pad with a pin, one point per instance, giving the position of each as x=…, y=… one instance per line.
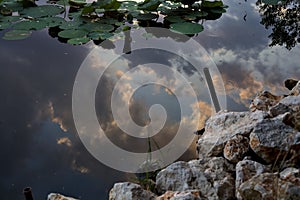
x=42, y=11
x=4, y=25
x=10, y=19
x=146, y=17
x=272, y=2
x=129, y=5
x=149, y=5
x=186, y=28
x=54, y=21
x=97, y=27
x=211, y=4
x=79, y=3
x=72, y=33
x=16, y=35
x=218, y=10
x=70, y=24
x=99, y=36
x=78, y=41
x=31, y=25
x=174, y=19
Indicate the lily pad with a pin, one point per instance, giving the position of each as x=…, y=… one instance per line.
x=4, y=25
x=272, y=2
x=16, y=35
x=97, y=27
x=186, y=28
x=72, y=33
x=70, y=24
x=174, y=19
x=10, y=19
x=42, y=11
x=78, y=41
x=99, y=36
x=31, y=25
x=146, y=16
x=79, y=3
x=54, y=21
x=211, y=4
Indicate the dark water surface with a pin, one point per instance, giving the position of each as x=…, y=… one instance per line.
x=39, y=144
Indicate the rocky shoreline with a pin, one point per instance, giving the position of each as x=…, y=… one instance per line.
x=242, y=155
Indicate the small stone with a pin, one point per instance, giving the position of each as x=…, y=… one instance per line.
x=185, y=195
x=245, y=170
x=263, y=101
x=260, y=187
x=290, y=83
x=129, y=191
x=279, y=109
x=55, y=196
x=236, y=148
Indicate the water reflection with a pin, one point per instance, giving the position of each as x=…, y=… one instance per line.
x=39, y=144
x=284, y=19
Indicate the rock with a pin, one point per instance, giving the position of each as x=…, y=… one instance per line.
x=263, y=101
x=272, y=140
x=245, y=170
x=271, y=186
x=260, y=187
x=290, y=83
x=212, y=178
x=235, y=148
x=292, y=102
x=223, y=126
x=296, y=90
x=55, y=196
x=129, y=191
x=279, y=109
x=186, y=195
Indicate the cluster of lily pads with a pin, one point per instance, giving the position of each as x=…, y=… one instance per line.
x=78, y=22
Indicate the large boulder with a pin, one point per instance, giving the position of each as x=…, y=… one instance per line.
x=223, y=126
x=211, y=177
x=272, y=140
x=185, y=195
x=130, y=191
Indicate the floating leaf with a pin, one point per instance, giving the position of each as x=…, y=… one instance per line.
x=186, y=28
x=70, y=24
x=146, y=17
x=4, y=25
x=174, y=19
x=42, y=11
x=100, y=36
x=79, y=3
x=78, y=41
x=218, y=10
x=11, y=19
x=54, y=21
x=72, y=33
x=16, y=35
x=97, y=27
x=211, y=4
x=31, y=25
x=272, y=2
x=129, y=5
x=149, y=5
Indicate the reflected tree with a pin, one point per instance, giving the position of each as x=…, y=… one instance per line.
x=284, y=19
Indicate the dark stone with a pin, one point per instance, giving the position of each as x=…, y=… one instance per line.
x=290, y=83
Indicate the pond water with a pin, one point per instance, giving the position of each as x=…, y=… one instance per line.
x=39, y=143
